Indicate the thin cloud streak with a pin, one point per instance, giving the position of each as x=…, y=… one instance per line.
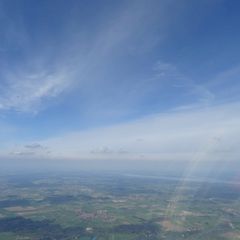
x=25, y=92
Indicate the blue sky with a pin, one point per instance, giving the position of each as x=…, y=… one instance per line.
x=119, y=79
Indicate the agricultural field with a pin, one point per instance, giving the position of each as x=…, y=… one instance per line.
x=91, y=206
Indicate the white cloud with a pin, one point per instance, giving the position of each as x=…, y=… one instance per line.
x=205, y=134
x=34, y=146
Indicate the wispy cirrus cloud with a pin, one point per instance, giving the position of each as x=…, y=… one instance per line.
x=225, y=83
x=25, y=91
x=82, y=60
x=44, y=73
x=169, y=77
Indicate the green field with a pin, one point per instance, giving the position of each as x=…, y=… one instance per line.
x=102, y=206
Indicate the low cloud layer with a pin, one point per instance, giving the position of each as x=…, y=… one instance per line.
x=204, y=134
x=32, y=150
